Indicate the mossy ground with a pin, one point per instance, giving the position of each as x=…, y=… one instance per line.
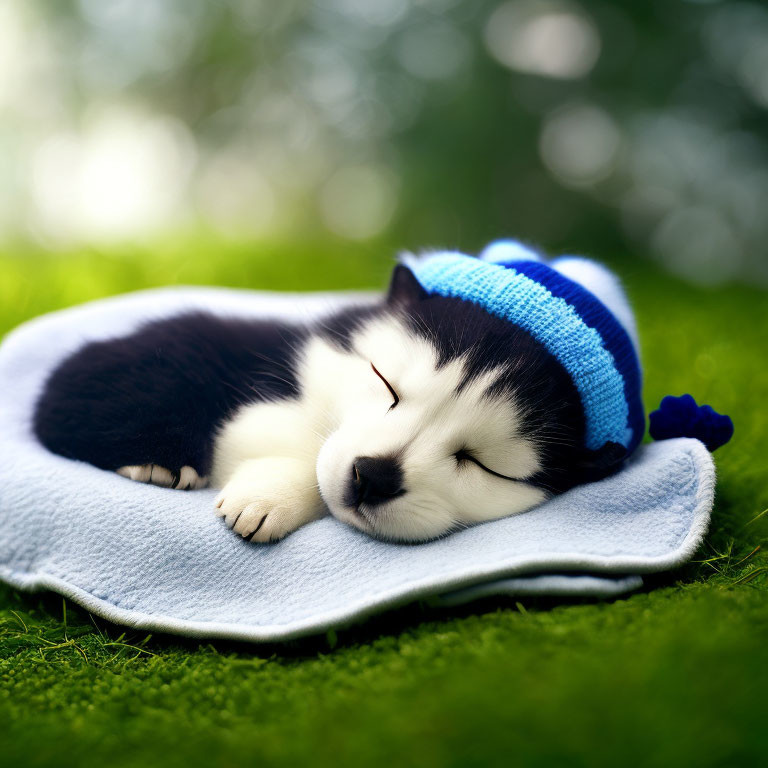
x=675, y=674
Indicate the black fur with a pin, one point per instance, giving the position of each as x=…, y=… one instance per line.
x=340, y=326
x=551, y=407
x=158, y=395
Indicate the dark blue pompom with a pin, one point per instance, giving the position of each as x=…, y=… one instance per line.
x=681, y=417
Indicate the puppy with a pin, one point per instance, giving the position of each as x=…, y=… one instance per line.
x=407, y=418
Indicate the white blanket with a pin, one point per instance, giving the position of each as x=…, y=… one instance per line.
x=160, y=559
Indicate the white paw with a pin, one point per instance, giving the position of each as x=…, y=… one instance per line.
x=189, y=480
x=154, y=474
x=266, y=499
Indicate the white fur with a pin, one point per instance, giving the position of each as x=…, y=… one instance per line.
x=189, y=479
x=154, y=474
x=267, y=498
x=276, y=460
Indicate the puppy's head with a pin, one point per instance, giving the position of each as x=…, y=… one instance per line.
x=450, y=416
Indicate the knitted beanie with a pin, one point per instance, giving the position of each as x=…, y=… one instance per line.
x=571, y=323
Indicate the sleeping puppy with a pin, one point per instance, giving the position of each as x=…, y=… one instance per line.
x=406, y=418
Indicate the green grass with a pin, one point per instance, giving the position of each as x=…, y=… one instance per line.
x=677, y=674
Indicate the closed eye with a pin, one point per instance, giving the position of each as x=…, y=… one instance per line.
x=465, y=455
x=388, y=386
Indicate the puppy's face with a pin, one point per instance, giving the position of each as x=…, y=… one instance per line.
x=445, y=415
x=428, y=441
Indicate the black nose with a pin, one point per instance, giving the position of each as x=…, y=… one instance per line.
x=375, y=480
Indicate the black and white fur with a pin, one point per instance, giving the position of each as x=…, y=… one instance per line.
x=408, y=418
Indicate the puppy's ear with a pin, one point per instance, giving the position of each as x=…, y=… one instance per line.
x=595, y=465
x=404, y=288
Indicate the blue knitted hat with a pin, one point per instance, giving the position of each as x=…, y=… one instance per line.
x=565, y=318
x=572, y=324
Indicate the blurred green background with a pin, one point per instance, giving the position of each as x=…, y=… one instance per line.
x=636, y=128
x=298, y=145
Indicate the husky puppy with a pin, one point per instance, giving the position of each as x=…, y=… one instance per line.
x=406, y=418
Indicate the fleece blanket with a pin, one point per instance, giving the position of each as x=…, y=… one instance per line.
x=160, y=560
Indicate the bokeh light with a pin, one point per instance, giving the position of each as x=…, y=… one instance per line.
x=543, y=37
x=358, y=202
x=581, y=125
x=579, y=144
x=122, y=174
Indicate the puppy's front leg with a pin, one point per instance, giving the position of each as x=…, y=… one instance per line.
x=265, y=499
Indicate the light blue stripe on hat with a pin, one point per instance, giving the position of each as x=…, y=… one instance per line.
x=552, y=322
